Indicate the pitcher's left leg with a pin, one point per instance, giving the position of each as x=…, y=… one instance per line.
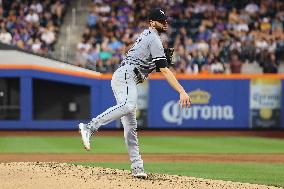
x=131, y=140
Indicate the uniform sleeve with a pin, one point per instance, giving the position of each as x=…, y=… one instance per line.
x=158, y=54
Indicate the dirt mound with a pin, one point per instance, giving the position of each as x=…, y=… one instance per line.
x=31, y=175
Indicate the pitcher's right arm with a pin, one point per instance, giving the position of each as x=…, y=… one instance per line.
x=185, y=100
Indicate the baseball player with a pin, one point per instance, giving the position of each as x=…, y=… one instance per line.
x=145, y=55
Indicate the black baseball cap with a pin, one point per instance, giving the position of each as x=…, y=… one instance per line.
x=157, y=14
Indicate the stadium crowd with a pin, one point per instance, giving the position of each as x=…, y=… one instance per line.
x=209, y=36
x=31, y=24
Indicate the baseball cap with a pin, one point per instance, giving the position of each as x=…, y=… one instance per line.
x=157, y=14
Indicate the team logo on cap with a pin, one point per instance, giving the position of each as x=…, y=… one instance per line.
x=162, y=12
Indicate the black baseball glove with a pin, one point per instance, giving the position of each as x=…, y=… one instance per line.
x=169, y=55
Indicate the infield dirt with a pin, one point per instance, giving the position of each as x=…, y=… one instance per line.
x=34, y=175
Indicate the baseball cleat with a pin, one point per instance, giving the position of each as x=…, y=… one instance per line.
x=86, y=134
x=138, y=172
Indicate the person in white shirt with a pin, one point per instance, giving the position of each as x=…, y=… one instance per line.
x=32, y=17
x=48, y=36
x=252, y=8
x=5, y=36
x=36, y=6
x=36, y=46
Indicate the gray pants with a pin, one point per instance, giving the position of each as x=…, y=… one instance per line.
x=125, y=91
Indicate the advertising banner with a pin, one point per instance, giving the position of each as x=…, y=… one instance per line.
x=265, y=103
x=216, y=104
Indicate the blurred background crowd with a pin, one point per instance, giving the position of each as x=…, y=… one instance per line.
x=32, y=25
x=209, y=36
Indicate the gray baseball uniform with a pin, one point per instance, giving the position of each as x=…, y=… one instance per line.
x=146, y=54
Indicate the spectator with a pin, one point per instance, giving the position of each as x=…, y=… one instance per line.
x=217, y=67
x=190, y=46
x=32, y=17
x=114, y=44
x=83, y=48
x=5, y=36
x=277, y=24
x=265, y=25
x=48, y=36
x=92, y=19
x=204, y=34
x=57, y=10
x=36, y=46
x=36, y=6
x=235, y=63
x=233, y=16
x=269, y=64
x=251, y=8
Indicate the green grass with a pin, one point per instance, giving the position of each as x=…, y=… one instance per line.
x=260, y=173
x=148, y=144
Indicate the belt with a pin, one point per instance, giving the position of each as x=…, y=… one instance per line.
x=123, y=63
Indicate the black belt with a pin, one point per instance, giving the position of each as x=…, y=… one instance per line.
x=123, y=63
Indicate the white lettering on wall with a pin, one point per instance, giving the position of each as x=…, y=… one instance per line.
x=172, y=113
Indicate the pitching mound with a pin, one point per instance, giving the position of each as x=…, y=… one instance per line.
x=29, y=175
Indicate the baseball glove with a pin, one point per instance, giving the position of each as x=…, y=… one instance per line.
x=169, y=55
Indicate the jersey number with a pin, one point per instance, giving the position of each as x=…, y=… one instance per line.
x=138, y=40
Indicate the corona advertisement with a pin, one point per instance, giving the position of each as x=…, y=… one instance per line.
x=265, y=103
x=200, y=109
x=214, y=105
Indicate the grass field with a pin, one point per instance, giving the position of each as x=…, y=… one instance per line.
x=148, y=144
x=262, y=173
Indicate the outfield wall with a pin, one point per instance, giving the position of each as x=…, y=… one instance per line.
x=237, y=101
x=54, y=95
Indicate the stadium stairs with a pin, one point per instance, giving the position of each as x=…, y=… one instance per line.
x=71, y=31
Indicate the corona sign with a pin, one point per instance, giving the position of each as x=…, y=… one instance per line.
x=214, y=105
x=200, y=109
